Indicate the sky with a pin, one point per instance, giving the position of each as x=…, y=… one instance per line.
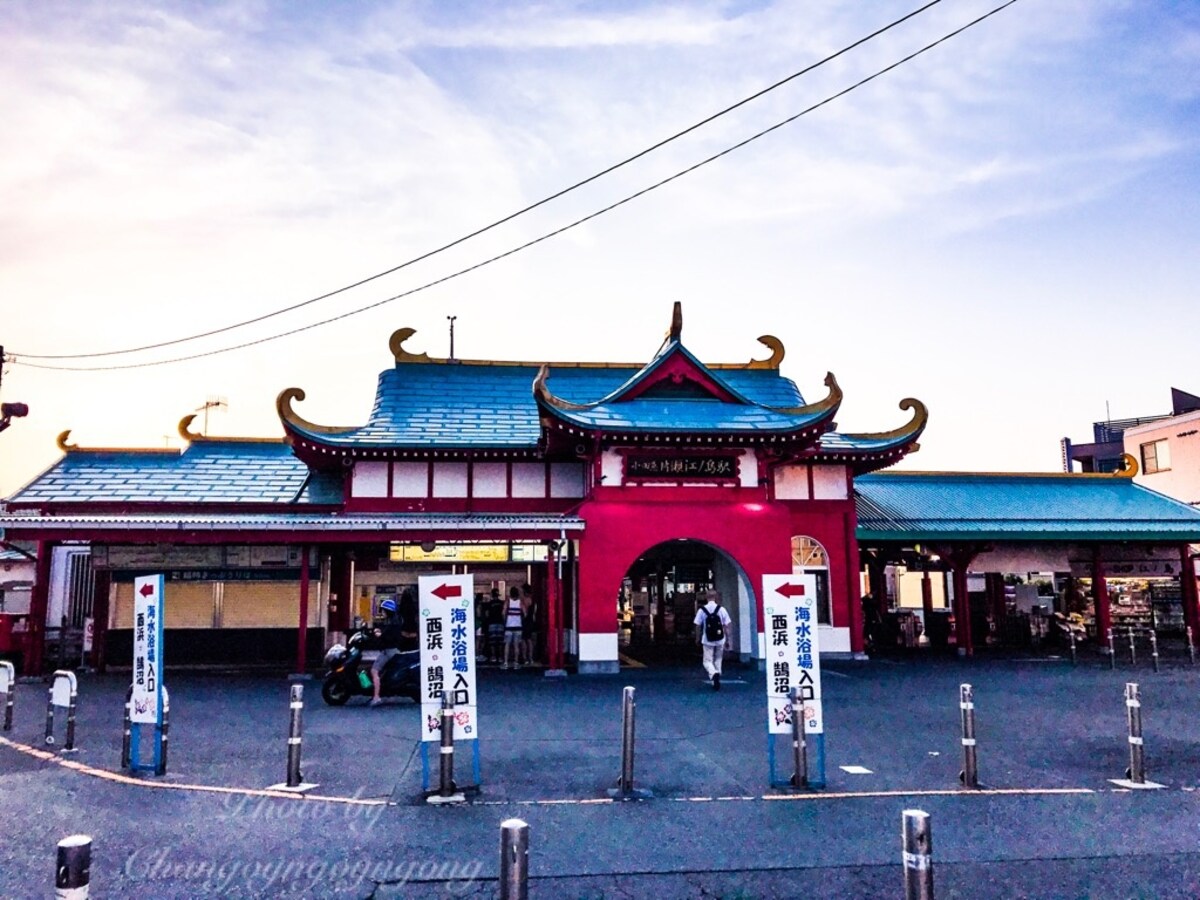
x=1005, y=227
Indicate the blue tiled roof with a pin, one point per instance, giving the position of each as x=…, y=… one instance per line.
x=848, y=443
x=656, y=414
x=206, y=472
x=465, y=405
x=962, y=506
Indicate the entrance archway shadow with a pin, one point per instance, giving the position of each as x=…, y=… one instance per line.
x=661, y=593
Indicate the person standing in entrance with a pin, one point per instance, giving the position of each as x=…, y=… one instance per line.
x=713, y=632
x=513, y=624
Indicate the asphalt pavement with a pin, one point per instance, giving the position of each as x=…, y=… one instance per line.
x=1049, y=821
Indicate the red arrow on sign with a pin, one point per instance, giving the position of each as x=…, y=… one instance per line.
x=146, y=590
x=446, y=591
x=791, y=590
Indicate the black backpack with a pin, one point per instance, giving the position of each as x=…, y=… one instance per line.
x=714, y=629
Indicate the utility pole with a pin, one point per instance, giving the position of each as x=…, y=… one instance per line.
x=451, y=319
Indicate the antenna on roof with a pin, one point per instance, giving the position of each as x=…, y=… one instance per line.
x=451, y=320
x=211, y=403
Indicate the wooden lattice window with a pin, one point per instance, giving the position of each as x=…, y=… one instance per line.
x=808, y=554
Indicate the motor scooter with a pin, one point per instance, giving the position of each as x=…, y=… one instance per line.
x=347, y=676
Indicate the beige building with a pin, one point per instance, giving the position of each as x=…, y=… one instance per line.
x=1168, y=456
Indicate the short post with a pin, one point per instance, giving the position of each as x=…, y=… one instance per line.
x=64, y=690
x=446, y=775
x=628, y=712
x=1154, y=647
x=918, y=855
x=1112, y=651
x=1132, y=648
x=1191, y=646
x=966, y=705
x=8, y=682
x=514, y=860
x=1137, y=756
x=127, y=731
x=799, y=744
x=73, y=868
x=161, y=767
x=1071, y=634
x=294, y=736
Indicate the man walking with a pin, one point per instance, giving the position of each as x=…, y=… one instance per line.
x=713, y=632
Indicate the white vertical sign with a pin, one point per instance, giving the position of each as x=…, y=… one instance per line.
x=147, y=649
x=447, y=634
x=790, y=634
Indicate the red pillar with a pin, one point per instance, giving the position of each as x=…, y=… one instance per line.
x=39, y=600
x=1187, y=589
x=962, y=601
x=302, y=630
x=554, y=610
x=100, y=618
x=927, y=596
x=853, y=585
x=995, y=589
x=1100, y=598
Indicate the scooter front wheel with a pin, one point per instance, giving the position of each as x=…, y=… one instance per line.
x=334, y=692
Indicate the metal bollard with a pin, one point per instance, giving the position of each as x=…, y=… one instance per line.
x=514, y=860
x=1137, y=756
x=1132, y=648
x=8, y=681
x=799, y=742
x=73, y=868
x=72, y=687
x=1071, y=634
x=1191, y=646
x=161, y=768
x=1154, y=647
x=1112, y=650
x=127, y=730
x=628, y=711
x=294, y=736
x=966, y=704
x=918, y=855
x=446, y=774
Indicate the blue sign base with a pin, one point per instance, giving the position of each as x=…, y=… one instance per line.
x=135, y=742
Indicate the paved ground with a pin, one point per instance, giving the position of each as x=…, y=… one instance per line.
x=552, y=748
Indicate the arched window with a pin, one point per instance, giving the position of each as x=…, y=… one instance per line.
x=810, y=558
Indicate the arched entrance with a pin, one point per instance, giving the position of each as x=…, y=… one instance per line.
x=659, y=597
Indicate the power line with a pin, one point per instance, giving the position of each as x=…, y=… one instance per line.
x=550, y=234
x=502, y=221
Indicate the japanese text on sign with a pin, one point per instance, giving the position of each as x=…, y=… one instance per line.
x=447, y=642
x=697, y=467
x=792, y=655
x=146, y=699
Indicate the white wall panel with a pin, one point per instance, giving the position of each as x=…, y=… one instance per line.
x=829, y=483
x=449, y=479
x=529, y=479
x=410, y=479
x=791, y=483
x=370, y=479
x=566, y=479
x=490, y=479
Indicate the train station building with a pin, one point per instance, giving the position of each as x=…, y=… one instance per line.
x=625, y=494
